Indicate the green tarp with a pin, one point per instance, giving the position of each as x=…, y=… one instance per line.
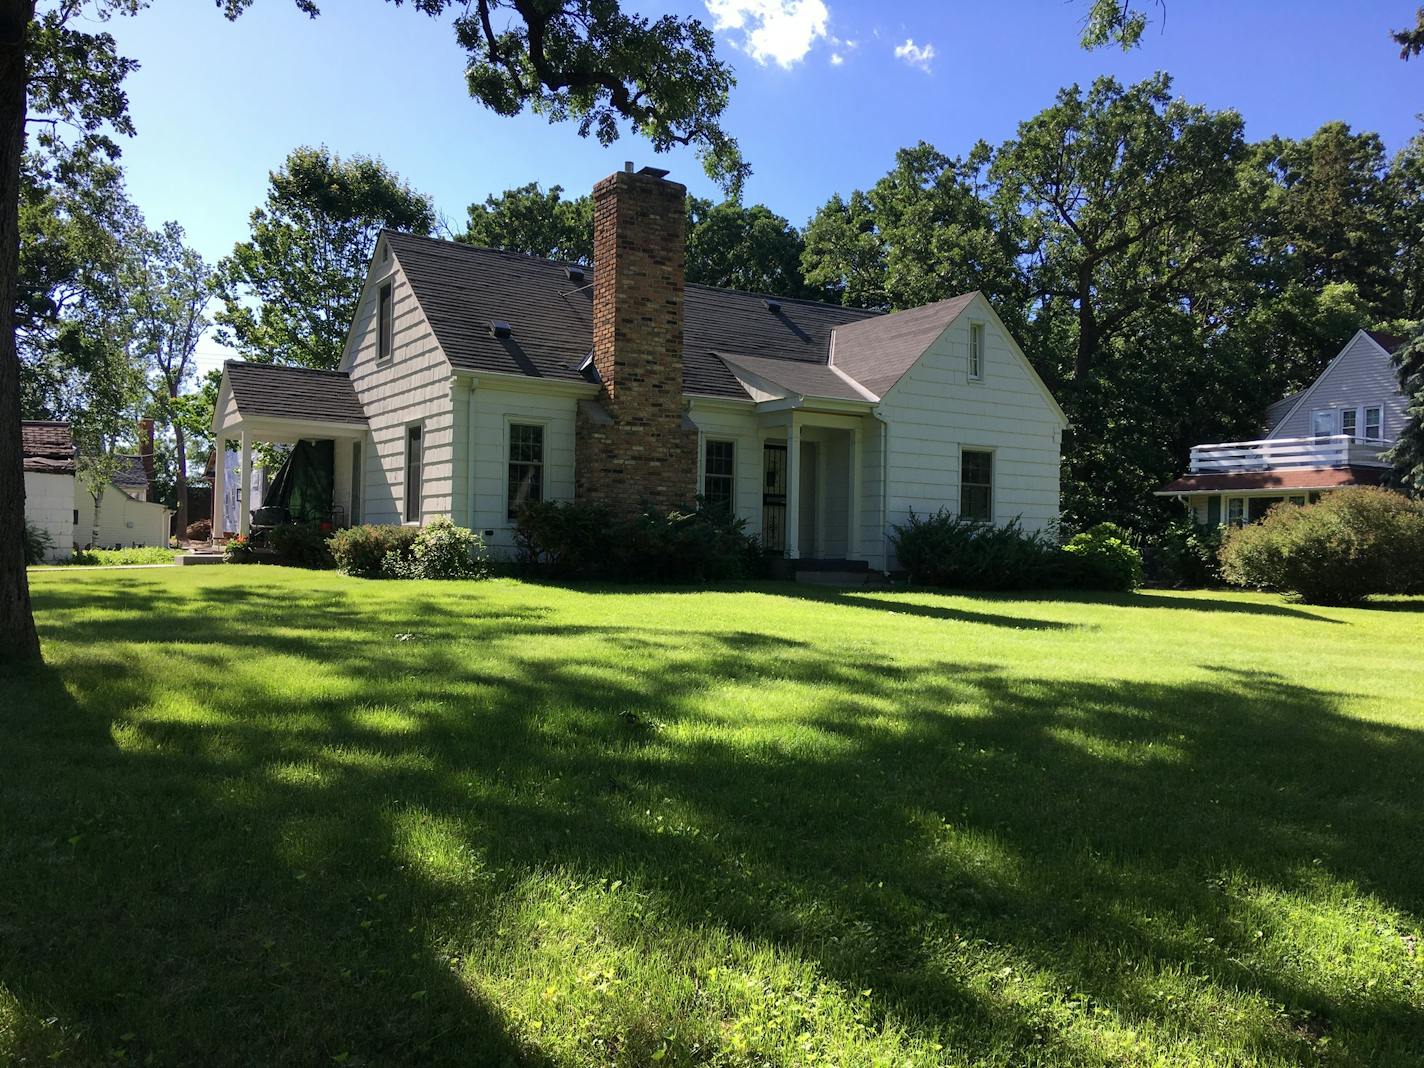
x=303, y=485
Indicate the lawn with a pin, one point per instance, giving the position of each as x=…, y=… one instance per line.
x=254, y=815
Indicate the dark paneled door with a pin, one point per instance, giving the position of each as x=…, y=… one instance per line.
x=773, y=497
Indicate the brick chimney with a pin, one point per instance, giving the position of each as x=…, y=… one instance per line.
x=635, y=447
x=145, y=448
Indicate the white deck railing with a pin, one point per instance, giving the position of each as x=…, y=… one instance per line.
x=1336, y=450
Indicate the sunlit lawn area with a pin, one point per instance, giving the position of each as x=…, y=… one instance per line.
x=254, y=815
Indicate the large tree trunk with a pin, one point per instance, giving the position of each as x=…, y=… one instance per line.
x=181, y=482
x=19, y=644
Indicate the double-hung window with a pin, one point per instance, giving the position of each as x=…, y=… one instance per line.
x=414, y=467
x=526, y=466
x=976, y=485
x=1236, y=511
x=976, y=351
x=718, y=476
x=1348, y=423
x=1374, y=423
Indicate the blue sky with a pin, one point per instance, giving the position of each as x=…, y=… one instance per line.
x=827, y=91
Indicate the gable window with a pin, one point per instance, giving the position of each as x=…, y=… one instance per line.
x=1374, y=423
x=1322, y=423
x=413, y=473
x=976, y=350
x=385, y=328
x=718, y=467
x=976, y=485
x=526, y=465
x=1347, y=422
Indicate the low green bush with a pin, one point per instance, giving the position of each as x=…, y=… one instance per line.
x=238, y=550
x=301, y=545
x=38, y=544
x=1101, y=558
x=1352, y=543
x=578, y=540
x=151, y=554
x=362, y=551
x=1184, y=553
x=943, y=549
x=441, y=550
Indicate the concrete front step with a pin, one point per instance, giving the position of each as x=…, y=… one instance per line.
x=189, y=559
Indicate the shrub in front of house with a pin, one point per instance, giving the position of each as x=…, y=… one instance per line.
x=1352, y=543
x=238, y=550
x=579, y=540
x=1184, y=553
x=38, y=544
x=301, y=545
x=1101, y=558
x=362, y=551
x=440, y=550
x=202, y=530
x=943, y=549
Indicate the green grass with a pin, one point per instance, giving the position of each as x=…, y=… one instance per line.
x=117, y=557
x=254, y=815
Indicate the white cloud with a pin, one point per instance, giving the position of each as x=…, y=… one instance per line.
x=916, y=55
x=837, y=59
x=772, y=31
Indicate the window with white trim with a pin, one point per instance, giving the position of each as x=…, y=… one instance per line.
x=526, y=466
x=1348, y=424
x=976, y=485
x=719, y=460
x=976, y=350
x=1236, y=511
x=414, y=472
x=1374, y=423
x=1322, y=423
x=385, y=326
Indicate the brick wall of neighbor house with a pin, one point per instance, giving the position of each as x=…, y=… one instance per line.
x=633, y=446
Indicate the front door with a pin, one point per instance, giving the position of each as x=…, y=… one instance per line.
x=773, y=497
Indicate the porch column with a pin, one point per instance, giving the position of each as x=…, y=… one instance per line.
x=244, y=512
x=793, y=486
x=219, y=457
x=853, y=534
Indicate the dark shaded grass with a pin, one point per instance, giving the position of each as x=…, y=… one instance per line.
x=231, y=883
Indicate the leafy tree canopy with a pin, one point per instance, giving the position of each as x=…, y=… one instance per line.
x=1407, y=455
x=289, y=292
x=534, y=222
x=592, y=63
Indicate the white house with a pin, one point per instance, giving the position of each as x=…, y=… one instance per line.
x=474, y=380
x=57, y=502
x=1328, y=435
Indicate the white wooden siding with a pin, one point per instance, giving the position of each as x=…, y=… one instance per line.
x=49, y=505
x=413, y=386
x=739, y=426
x=1362, y=375
x=934, y=411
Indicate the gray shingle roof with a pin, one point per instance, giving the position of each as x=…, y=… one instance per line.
x=47, y=447
x=264, y=389
x=797, y=376
x=1280, y=409
x=131, y=471
x=462, y=288
x=878, y=352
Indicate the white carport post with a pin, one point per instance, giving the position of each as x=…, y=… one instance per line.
x=793, y=486
x=219, y=462
x=856, y=496
x=244, y=512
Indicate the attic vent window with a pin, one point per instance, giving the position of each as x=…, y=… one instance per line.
x=575, y=274
x=773, y=306
x=499, y=328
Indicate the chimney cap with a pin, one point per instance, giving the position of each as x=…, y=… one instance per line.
x=653, y=172
x=500, y=328
x=628, y=165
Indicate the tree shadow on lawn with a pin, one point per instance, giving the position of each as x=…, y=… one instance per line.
x=243, y=885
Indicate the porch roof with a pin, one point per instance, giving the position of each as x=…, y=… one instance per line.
x=299, y=394
x=1307, y=478
x=799, y=377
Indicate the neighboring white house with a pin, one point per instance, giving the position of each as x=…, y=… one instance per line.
x=57, y=502
x=474, y=380
x=1328, y=435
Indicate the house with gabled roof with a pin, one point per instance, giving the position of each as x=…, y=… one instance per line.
x=1330, y=434
x=476, y=380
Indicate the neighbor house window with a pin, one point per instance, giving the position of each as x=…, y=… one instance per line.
x=976, y=350
x=385, y=332
x=526, y=465
x=1374, y=423
x=718, y=465
x=413, y=466
x=1236, y=511
x=1298, y=501
x=1322, y=423
x=976, y=485
x=1347, y=422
